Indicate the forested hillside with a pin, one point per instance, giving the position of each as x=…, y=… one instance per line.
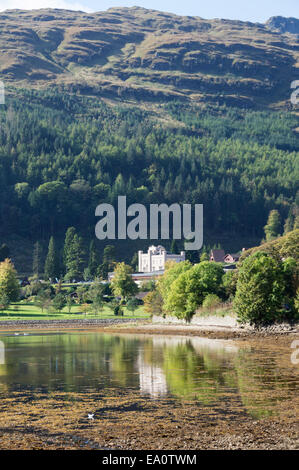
x=65, y=147
x=61, y=155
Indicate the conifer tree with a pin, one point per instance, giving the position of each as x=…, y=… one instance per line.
x=93, y=261
x=288, y=226
x=69, y=236
x=109, y=255
x=36, y=265
x=74, y=259
x=52, y=262
x=273, y=226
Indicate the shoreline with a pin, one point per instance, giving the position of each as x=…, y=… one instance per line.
x=72, y=324
x=136, y=326
x=212, y=332
x=39, y=422
x=127, y=419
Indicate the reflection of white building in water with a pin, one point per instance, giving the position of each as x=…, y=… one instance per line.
x=155, y=259
x=151, y=378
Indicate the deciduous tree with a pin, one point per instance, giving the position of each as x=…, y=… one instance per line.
x=122, y=284
x=9, y=284
x=188, y=291
x=260, y=289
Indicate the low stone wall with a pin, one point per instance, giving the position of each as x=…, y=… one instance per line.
x=76, y=322
x=210, y=320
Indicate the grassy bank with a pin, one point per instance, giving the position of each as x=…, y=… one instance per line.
x=29, y=311
x=221, y=310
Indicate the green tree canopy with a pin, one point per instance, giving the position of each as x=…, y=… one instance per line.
x=74, y=259
x=59, y=302
x=93, y=260
x=96, y=295
x=52, y=268
x=273, y=226
x=122, y=284
x=172, y=272
x=260, y=289
x=188, y=291
x=9, y=284
x=69, y=236
x=132, y=304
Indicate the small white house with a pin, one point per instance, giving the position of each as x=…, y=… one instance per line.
x=155, y=259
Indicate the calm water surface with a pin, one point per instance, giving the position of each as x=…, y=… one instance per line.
x=210, y=372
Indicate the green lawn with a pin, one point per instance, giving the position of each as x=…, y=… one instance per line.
x=29, y=311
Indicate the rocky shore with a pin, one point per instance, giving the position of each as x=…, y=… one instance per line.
x=212, y=331
x=127, y=421
x=72, y=324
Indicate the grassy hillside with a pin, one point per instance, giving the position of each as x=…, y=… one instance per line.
x=149, y=56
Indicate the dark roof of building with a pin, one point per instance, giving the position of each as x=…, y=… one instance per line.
x=218, y=255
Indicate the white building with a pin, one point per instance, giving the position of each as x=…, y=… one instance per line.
x=155, y=259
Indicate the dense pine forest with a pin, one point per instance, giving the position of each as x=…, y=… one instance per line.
x=62, y=154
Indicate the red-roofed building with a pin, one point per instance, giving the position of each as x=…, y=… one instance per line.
x=231, y=258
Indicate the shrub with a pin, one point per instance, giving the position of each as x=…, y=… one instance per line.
x=4, y=302
x=211, y=301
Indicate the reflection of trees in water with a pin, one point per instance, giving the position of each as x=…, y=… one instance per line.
x=70, y=361
x=206, y=370
x=3, y=373
x=194, y=368
x=191, y=375
x=260, y=385
x=209, y=371
x=124, y=355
